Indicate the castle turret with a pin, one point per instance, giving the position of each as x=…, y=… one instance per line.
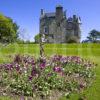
x=42, y=11
x=59, y=14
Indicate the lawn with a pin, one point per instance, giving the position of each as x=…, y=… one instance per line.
x=89, y=51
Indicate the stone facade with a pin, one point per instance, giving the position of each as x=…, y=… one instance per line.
x=59, y=28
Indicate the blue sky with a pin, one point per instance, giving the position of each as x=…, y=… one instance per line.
x=26, y=13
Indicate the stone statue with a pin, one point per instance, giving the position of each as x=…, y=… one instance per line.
x=42, y=41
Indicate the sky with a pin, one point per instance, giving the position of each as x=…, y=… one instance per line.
x=26, y=14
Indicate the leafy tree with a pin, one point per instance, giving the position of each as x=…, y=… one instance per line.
x=37, y=38
x=94, y=35
x=8, y=30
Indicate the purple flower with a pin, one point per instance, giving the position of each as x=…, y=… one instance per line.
x=32, y=63
x=17, y=67
x=34, y=71
x=42, y=65
x=57, y=69
x=30, y=78
x=57, y=58
x=64, y=60
x=8, y=66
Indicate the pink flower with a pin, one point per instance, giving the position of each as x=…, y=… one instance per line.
x=42, y=65
x=57, y=69
x=30, y=78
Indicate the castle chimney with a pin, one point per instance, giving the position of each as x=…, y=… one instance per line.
x=74, y=17
x=42, y=11
x=59, y=13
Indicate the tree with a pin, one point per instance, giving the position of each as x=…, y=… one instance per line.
x=8, y=30
x=37, y=38
x=94, y=36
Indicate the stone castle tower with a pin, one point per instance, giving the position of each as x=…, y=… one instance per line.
x=59, y=28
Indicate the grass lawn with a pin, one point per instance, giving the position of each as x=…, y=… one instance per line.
x=88, y=51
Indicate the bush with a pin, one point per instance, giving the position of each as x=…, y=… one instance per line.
x=72, y=39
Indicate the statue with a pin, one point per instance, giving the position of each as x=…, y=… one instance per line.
x=42, y=41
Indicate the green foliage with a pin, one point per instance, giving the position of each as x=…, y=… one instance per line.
x=37, y=38
x=8, y=30
x=19, y=41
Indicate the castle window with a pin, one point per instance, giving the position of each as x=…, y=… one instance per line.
x=58, y=24
x=45, y=29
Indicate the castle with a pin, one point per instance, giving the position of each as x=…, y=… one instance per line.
x=58, y=28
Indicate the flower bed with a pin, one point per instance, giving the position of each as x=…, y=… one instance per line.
x=43, y=77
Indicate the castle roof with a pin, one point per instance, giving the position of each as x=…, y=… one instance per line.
x=50, y=14
x=70, y=19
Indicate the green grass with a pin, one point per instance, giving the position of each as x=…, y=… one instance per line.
x=89, y=51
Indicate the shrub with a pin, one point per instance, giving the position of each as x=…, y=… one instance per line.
x=72, y=39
